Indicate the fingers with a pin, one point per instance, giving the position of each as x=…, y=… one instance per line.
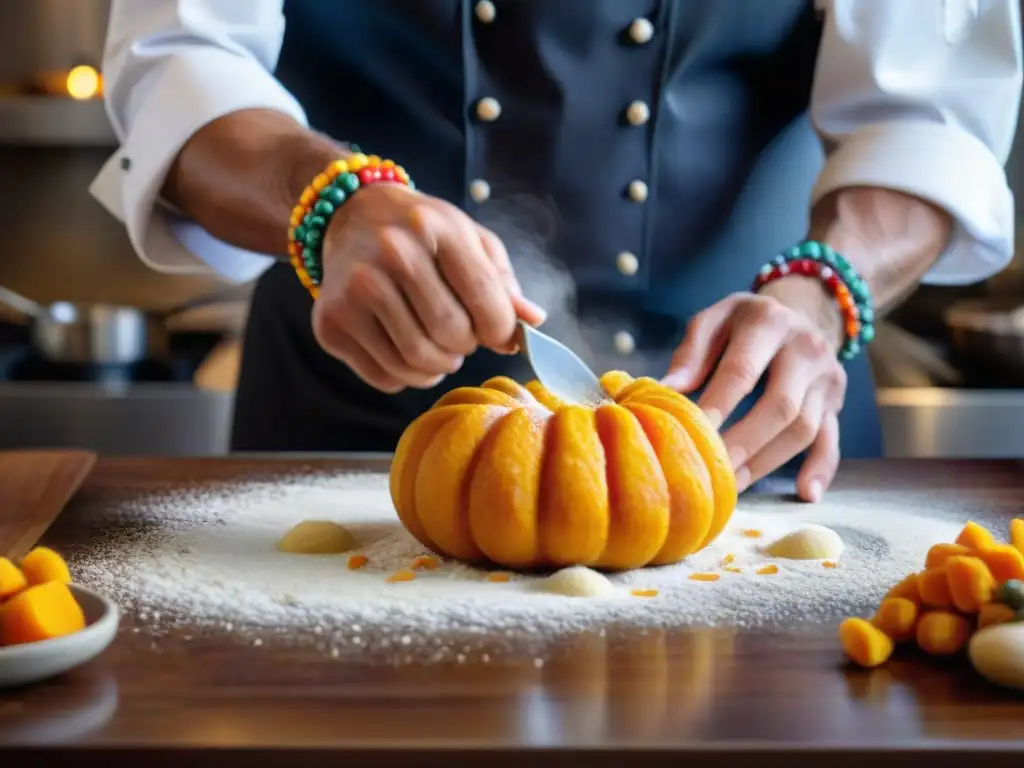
x=419, y=353
x=371, y=336
x=437, y=309
x=822, y=462
x=353, y=331
x=700, y=349
x=783, y=407
x=344, y=347
x=496, y=252
x=795, y=437
x=760, y=333
x=465, y=266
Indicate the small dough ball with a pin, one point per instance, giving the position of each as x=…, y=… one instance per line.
x=897, y=618
x=997, y=654
x=995, y=613
x=864, y=644
x=813, y=542
x=942, y=633
x=317, y=537
x=578, y=581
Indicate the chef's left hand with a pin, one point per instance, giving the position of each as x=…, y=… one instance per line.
x=792, y=331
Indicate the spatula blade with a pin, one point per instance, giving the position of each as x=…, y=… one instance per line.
x=559, y=369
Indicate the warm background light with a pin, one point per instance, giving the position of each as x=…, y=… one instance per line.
x=83, y=82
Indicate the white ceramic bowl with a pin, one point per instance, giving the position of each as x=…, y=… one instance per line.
x=33, y=662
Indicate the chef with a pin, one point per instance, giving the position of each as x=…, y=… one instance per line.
x=738, y=189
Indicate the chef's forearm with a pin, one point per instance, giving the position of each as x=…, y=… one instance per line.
x=240, y=176
x=890, y=238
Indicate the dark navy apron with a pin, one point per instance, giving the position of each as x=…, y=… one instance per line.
x=728, y=157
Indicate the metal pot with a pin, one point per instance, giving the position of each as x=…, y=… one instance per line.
x=987, y=339
x=101, y=334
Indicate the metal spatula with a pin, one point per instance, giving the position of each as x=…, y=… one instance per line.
x=558, y=368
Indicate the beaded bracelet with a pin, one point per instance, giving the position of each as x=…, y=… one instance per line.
x=850, y=290
x=322, y=199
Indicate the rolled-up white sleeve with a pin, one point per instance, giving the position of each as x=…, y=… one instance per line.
x=923, y=97
x=171, y=67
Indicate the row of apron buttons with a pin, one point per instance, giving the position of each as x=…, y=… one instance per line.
x=637, y=113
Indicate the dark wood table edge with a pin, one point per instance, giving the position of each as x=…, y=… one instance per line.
x=938, y=755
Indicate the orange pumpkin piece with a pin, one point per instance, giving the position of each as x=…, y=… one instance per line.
x=995, y=613
x=12, y=580
x=42, y=565
x=507, y=474
x=40, y=612
x=1004, y=561
x=941, y=633
x=1017, y=534
x=933, y=584
x=357, y=561
x=974, y=536
x=940, y=553
x=897, y=618
x=864, y=644
x=908, y=588
x=970, y=583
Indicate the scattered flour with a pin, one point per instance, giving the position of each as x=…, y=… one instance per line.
x=210, y=558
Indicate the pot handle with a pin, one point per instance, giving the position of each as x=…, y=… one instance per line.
x=19, y=303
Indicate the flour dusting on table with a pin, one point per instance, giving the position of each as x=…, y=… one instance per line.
x=210, y=558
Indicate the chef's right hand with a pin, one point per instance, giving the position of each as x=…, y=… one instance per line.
x=411, y=286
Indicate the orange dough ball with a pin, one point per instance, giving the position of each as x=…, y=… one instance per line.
x=42, y=564
x=1004, y=561
x=940, y=553
x=974, y=536
x=12, y=580
x=40, y=612
x=942, y=633
x=863, y=643
x=934, y=587
x=908, y=588
x=1017, y=534
x=995, y=613
x=897, y=618
x=970, y=583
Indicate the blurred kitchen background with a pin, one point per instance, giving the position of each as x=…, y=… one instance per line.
x=129, y=361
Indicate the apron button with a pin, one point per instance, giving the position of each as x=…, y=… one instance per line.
x=624, y=343
x=485, y=11
x=628, y=263
x=480, y=191
x=641, y=31
x=637, y=191
x=638, y=113
x=488, y=109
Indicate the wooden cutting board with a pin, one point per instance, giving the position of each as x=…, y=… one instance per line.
x=35, y=486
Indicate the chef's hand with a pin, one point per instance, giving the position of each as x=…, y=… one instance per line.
x=411, y=286
x=790, y=330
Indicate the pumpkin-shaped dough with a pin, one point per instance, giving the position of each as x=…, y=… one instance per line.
x=509, y=474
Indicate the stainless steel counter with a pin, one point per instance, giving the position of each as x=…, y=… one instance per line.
x=180, y=420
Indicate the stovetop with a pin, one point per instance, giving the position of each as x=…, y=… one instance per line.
x=19, y=362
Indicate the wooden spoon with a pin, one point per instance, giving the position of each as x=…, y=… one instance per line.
x=35, y=486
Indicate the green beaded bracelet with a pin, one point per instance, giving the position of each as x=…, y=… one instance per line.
x=851, y=292
x=322, y=199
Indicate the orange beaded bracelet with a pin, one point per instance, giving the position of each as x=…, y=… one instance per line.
x=321, y=200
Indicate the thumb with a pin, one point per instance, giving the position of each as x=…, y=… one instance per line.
x=695, y=357
x=526, y=310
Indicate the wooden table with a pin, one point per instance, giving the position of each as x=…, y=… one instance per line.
x=678, y=698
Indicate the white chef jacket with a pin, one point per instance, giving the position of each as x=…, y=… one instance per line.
x=920, y=96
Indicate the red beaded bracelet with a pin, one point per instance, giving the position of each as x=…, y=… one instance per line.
x=322, y=199
x=857, y=329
